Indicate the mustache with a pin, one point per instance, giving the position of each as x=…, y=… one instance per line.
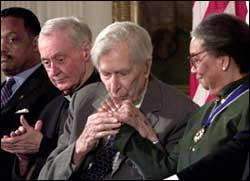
x=6, y=56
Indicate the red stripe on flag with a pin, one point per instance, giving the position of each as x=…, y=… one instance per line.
x=216, y=7
x=241, y=9
x=193, y=3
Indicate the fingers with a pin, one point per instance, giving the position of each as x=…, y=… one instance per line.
x=109, y=105
x=106, y=133
x=98, y=126
x=24, y=123
x=106, y=127
x=9, y=140
x=99, y=122
x=101, y=115
x=12, y=134
x=15, y=145
x=38, y=125
x=5, y=136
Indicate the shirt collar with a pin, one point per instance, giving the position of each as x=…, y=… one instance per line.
x=231, y=86
x=21, y=77
x=141, y=98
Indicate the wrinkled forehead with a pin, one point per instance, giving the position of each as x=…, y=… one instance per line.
x=115, y=60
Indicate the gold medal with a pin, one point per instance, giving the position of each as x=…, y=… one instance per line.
x=199, y=134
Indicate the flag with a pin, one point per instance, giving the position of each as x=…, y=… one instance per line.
x=202, y=9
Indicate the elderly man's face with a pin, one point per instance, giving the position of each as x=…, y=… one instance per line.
x=64, y=62
x=123, y=78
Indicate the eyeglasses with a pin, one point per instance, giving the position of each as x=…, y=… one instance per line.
x=194, y=60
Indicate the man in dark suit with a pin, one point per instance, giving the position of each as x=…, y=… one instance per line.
x=31, y=89
x=64, y=44
x=129, y=96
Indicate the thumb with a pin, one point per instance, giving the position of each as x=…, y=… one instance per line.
x=38, y=125
x=24, y=123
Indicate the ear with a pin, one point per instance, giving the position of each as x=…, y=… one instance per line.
x=147, y=68
x=225, y=63
x=86, y=47
x=35, y=44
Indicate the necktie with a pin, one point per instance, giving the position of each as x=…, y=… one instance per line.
x=6, y=91
x=102, y=164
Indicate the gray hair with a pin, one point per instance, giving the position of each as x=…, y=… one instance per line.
x=225, y=34
x=79, y=31
x=136, y=37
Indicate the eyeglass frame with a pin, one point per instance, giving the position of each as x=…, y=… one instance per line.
x=193, y=63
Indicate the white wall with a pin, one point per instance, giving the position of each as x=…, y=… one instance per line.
x=97, y=14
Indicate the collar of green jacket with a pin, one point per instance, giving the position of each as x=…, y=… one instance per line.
x=231, y=86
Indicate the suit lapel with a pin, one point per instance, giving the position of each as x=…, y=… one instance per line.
x=151, y=104
x=152, y=101
x=30, y=85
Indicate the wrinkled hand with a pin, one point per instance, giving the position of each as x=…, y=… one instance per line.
x=99, y=125
x=24, y=141
x=109, y=105
x=129, y=114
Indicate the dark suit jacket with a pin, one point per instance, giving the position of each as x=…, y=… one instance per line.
x=34, y=94
x=165, y=107
x=227, y=163
x=53, y=116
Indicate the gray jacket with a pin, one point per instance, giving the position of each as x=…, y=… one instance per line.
x=165, y=107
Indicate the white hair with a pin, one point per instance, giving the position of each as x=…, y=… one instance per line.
x=136, y=37
x=79, y=32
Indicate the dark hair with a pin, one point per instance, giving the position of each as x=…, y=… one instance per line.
x=31, y=22
x=225, y=34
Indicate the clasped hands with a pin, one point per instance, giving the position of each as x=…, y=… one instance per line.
x=108, y=119
x=24, y=141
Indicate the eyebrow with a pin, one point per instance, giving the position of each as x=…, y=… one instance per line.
x=58, y=54
x=10, y=34
x=198, y=53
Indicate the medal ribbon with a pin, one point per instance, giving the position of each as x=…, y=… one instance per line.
x=229, y=99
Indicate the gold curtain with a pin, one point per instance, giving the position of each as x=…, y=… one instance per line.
x=125, y=11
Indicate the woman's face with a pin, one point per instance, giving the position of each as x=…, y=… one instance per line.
x=206, y=66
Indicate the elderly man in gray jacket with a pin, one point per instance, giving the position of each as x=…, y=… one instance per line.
x=129, y=96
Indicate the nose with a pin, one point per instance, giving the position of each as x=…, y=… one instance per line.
x=4, y=45
x=114, y=84
x=54, y=70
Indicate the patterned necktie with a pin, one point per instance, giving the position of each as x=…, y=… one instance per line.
x=6, y=91
x=102, y=164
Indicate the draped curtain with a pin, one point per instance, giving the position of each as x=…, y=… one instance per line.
x=125, y=11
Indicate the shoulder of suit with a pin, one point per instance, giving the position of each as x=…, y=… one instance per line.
x=93, y=88
x=89, y=91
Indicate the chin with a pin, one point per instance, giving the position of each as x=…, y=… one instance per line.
x=62, y=87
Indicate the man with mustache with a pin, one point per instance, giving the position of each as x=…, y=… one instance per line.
x=27, y=87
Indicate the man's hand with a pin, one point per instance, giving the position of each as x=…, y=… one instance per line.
x=109, y=105
x=129, y=114
x=25, y=140
x=99, y=125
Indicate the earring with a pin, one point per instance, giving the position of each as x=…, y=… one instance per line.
x=223, y=68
